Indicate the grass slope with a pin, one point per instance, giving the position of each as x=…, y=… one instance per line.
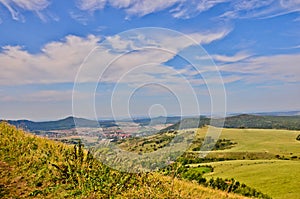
x=277, y=178
x=32, y=167
x=267, y=141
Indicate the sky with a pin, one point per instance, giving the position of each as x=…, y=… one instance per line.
x=131, y=58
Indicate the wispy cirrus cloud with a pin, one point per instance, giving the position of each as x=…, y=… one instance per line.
x=91, y=5
x=190, y=8
x=260, y=8
x=177, y=8
x=16, y=6
x=282, y=68
x=235, y=58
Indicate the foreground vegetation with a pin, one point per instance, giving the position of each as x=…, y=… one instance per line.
x=40, y=168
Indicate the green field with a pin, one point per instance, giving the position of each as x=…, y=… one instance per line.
x=270, y=141
x=277, y=178
x=266, y=173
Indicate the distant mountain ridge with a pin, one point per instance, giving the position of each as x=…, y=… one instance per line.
x=280, y=113
x=274, y=113
x=72, y=122
x=241, y=121
x=62, y=124
x=237, y=121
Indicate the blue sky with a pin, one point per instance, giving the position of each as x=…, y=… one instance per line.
x=254, y=44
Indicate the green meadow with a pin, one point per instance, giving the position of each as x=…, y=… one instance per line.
x=277, y=178
x=270, y=141
x=274, y=168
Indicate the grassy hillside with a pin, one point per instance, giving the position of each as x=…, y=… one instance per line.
x=268, y=141
x=277, y=178
x=232, y=143
x=255, y=155
x=32, y=167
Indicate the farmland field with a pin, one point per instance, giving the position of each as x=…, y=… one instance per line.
x=277, y=178
x=271, y=141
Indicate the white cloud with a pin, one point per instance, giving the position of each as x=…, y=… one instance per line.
x=14, y=7
x=91, y=5
x=79, y=17
x=237, y=57
x=142, y=8
x=267, y=69
x=290, y=4
x=190, y=8
x=261, y=8
x=121, y=3
x=58, y=61
x=178, y=8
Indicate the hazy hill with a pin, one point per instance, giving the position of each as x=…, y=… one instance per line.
x=242, y=121
x=279, y=113
x=69, y=122
x=157, y=120
x=66, y=123
x=237, y=121
x=263, y=122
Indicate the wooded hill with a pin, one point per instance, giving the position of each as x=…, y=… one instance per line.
x=241, y=121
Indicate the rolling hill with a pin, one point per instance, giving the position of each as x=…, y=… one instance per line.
x=66, y=123
x=41, y=168
x=71, y=122
x=241, y=121
x=237, y=121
